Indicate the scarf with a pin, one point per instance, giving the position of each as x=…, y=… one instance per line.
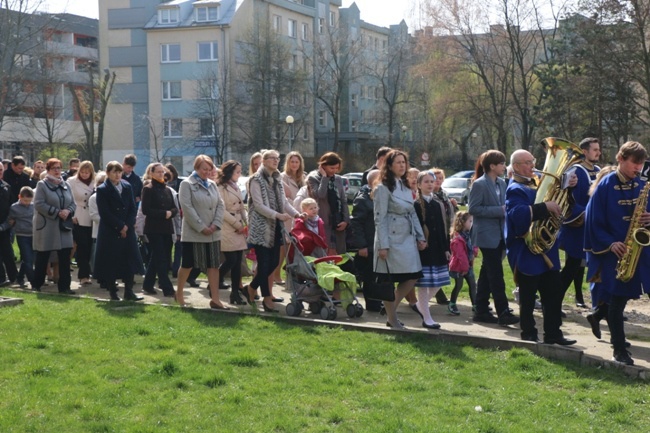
x=468, y=242
x=312, y=224
x=203, y=182
x=334, y=202
x=54, y=180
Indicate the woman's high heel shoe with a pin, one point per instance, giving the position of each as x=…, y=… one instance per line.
x=269, y=309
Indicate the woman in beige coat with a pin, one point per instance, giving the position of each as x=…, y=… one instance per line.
x=201, y=229
x=233, y=231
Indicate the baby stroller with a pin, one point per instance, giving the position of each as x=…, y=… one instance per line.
x=317, y=290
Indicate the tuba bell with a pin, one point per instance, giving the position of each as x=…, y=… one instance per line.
x=560, y=156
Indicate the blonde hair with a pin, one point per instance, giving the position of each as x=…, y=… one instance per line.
x=254, y=156
x=202, y=159
x=308, y=202
x=299, y=175
x=100, y=177
x=87, y=165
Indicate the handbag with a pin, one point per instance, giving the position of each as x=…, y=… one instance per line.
x=380, y=290
x=66, y=225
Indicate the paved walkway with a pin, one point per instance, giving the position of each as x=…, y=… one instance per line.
x=588, y=350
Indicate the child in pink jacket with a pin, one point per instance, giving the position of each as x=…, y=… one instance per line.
x=461, y=264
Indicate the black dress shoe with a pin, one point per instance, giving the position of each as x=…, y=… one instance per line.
x=581, y=305
x=224, y=286
x=236, y=299
x=595, y=325
x=532, y=338
x=115, y=297
x=67, y=292
x=562, y=341
x=415, y=308
x=192, y=283
x=278, y=299
x=434, y=325
x=244, y=291
x=151, y=291
x=133, y=297
x=485, y=318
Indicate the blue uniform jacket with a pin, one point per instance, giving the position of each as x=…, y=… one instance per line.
x=607, y=220
x=572, y=234
x=519, y=216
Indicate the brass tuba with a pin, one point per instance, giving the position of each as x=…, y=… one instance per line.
x=560, y=156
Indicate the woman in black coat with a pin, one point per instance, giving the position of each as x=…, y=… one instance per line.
x=117, y=254
x=158, y=207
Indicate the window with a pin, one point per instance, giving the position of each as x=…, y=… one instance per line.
x=376, y=93
x=208, y=89
x=208, y=52
x=384, y=44
x=168, y=16
x=353, y=100
x=210, y=13
x=321, y=25
x=292, y=28
x=170, y=53
x=322, y=118
x=362, y=116
x=353, y=127
x=332, y=18
x=277, y=23
x=171, y=90
x=305, y=132
x=206, y=128
x=362, y=92
x=293, y=61
x=172, y=128
x=305, y=32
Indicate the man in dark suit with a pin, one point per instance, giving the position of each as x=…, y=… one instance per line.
x=381, y=155
x=16, y=177
x=128, y=175
x=487, y=199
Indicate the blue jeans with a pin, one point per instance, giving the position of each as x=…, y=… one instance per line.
x=26, y=257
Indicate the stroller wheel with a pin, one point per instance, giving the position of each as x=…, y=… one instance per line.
x=315, y=307
x=324, y=313
x=332, y=313
x=351, y=310
x=358, y=310
x=294, y=309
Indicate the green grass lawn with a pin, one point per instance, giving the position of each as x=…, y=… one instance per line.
x=76, y=365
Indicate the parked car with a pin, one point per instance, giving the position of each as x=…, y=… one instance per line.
x=241, y=183
x=353, y=185
x=467, y=174
x=457, y=188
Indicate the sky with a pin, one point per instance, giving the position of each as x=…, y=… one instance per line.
x=380, y=12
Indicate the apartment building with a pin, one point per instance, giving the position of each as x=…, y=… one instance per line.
x=225, y=78
x=54, y=53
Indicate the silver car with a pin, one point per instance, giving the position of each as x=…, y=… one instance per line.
x=354, y=185
x=457, y=188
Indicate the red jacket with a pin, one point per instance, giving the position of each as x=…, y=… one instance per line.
x=308, y=240
x=459, y=259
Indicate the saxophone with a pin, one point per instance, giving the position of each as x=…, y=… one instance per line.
x=636, y=238
x=561, y=155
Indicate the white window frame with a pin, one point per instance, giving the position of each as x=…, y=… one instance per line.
x=305, y=31
x=165, y=53
x=171, y=91
x=292, y=28
x=277, y=23
x=214, y=51
x=321, y=25
x=353, y=126
x=202, y=14
x=332, y=18
x=208, y=89
x=171, y=127
x=305, y=132
x=168, y=16
x=322, y=118
x=354, y=100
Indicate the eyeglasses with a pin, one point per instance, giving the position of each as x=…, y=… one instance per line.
x=529, y=162
x=55, y=168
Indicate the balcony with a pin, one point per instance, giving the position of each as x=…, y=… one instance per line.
x=68, y=50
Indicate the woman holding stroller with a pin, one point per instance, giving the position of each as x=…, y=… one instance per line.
x=398, y=234
x=268, y=208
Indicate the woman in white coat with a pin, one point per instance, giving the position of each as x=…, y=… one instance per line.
x=398, y=234
x=82, y=186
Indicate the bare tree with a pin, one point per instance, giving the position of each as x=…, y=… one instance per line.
x=337, y=61
x=20, y=32
x=268, y=88
x=90, y=104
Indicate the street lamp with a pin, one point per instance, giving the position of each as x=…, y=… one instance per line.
x=289, y=121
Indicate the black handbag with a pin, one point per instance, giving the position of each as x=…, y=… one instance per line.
x=380, y=290
x=66, y=225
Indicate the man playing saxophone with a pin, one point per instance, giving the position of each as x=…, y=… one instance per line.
x=531, y=271
x=616, y=209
